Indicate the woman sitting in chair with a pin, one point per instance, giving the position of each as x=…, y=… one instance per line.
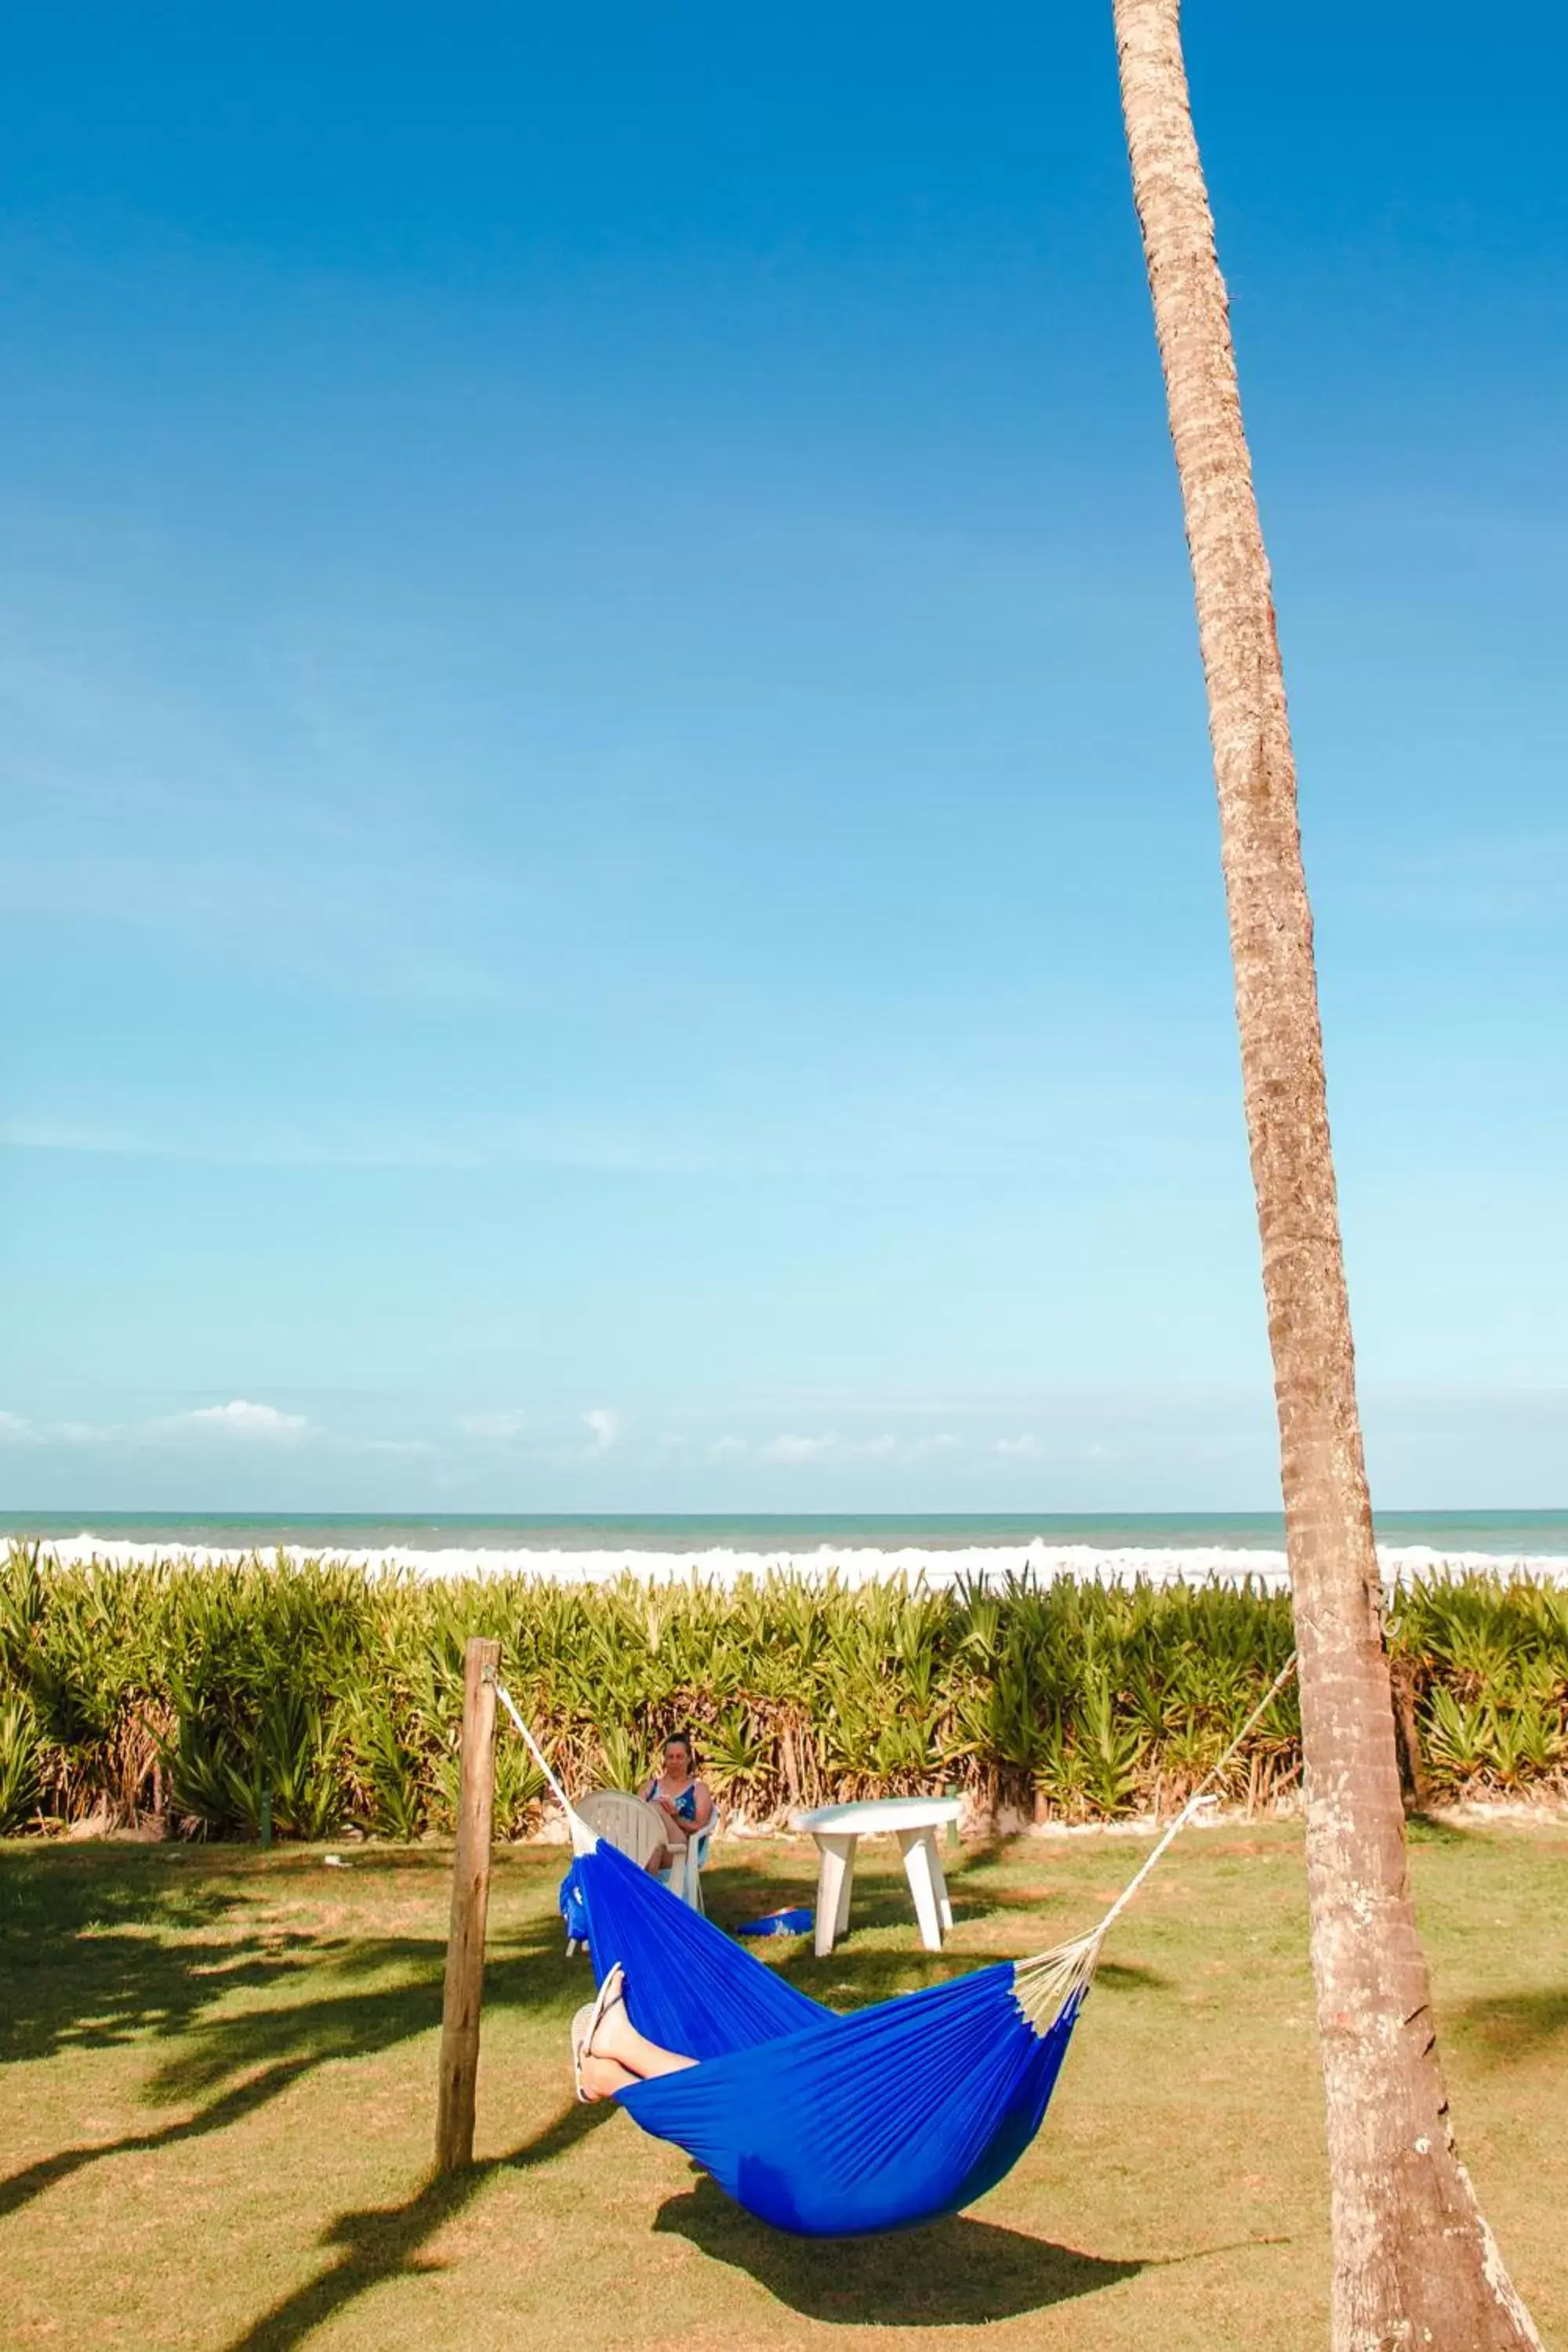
x=685, y=1802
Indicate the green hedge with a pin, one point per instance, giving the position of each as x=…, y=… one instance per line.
x=333, y=1694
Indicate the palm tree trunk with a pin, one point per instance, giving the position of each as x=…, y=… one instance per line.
x=1415, y=2263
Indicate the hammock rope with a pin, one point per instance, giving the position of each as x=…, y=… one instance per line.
x=833, y=2125
x=583, y=1838
x=1051, y=1978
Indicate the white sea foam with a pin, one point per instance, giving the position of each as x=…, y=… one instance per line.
x=939, y=1565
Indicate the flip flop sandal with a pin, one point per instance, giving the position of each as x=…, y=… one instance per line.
x=581, y=2025
x=588, y=2020
x=615, y=1991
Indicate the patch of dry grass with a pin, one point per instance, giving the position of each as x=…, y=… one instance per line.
x=216, y=2110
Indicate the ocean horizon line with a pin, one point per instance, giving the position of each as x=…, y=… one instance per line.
x=583, y=1546
x=15, y=1519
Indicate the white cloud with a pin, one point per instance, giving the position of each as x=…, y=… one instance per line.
x=875, y=1449
x=50, y=1135
x=383, y=1143
x=791, y=1447
x=941, y=1442
x=725, y=1449
x=240, y=1418
x=602, y=1427
x=1023, y=1445
x=495, y=1428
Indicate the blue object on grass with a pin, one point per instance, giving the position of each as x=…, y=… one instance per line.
x=573, y=1909
x=820, y=2123
x=798, y=1922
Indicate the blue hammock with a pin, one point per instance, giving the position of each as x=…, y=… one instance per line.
x=828, y=2125
x=836, y=2126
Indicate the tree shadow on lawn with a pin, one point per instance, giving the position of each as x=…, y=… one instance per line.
x=1506, y=2029
x=953, y=2273
x=231, y=2108
x=1422, y=1828
x=736, y=1891
x=1127, y=1975
x=851, y=1979
x=354, y=1997
x=881, y=1902
x=121, y=1983
x=103, y=1945
x=83, y=1959
x=383, y=2242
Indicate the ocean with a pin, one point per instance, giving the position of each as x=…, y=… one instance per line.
x=1163, y=1546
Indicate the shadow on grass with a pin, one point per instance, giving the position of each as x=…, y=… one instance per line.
x=737, y=1891
x=113, y=1949
x=84, y=1962
x=854, y=1973
x=1508, y=2028
x=79, y=1969
x=232, y=2108
x=102, y=1948
x=982, y=1852
x=953, y=2273
x=1431, y=1829
x=385, y=2241
x=104, y=1945
x=1127, y=1975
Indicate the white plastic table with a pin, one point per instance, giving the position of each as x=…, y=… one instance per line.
x=914, y=1822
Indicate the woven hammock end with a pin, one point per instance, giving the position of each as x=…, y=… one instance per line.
x=1044, y=1987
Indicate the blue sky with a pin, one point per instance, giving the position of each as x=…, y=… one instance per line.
x=610, y=877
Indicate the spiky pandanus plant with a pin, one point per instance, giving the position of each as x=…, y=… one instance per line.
x=335, y=1697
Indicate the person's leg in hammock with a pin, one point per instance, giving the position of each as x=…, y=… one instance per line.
x=609, y=2053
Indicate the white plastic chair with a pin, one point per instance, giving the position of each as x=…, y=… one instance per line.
x=684, y=1876
x=636, y=1829
x=633, y=1827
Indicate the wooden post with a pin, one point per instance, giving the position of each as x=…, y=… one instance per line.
x=470, y=1901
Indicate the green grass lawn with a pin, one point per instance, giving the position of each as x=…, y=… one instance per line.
x=217, y=2103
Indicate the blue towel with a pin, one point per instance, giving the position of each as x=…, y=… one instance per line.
x=781, y=1923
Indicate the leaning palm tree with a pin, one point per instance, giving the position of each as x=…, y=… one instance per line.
x=1415, y=2263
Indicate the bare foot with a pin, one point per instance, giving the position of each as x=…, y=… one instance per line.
x=618, y=2039
x=603, y=2077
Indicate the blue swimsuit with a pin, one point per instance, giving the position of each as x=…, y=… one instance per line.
x=683, y=1807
